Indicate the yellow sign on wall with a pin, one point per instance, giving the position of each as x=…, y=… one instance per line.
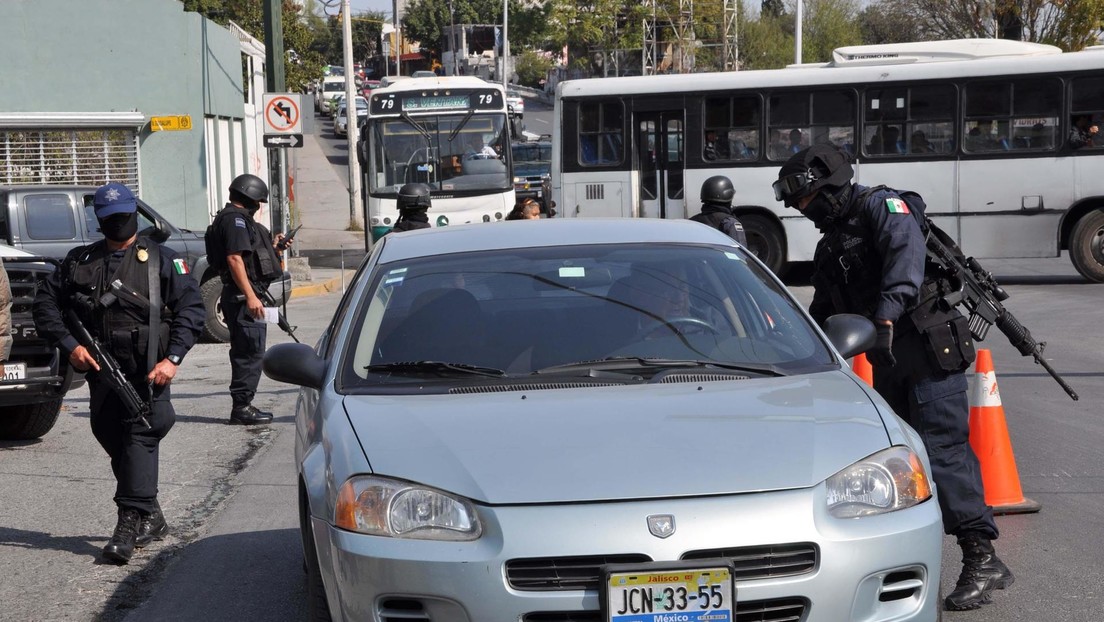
x=174, y=122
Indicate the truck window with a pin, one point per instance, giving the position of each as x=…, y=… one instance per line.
x=49, y=217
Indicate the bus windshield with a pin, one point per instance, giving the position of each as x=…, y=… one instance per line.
x=448, y=152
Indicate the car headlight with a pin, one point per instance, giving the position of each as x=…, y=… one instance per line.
x=890, y=480
x=385, y=507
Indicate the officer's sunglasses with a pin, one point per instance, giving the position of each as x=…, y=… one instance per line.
x=790, y=184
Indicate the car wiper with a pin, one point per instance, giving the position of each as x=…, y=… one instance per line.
x=636, y=362
x=437, y=367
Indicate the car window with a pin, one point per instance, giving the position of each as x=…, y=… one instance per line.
x=527, y=309
x=93, y=225
x=49, y=217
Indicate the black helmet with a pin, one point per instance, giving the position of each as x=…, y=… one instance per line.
x=717, y=189
x=251, y=187
x=811, y=169
x=413, y=197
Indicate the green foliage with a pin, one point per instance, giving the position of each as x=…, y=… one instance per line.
x=772, y=8
x=827, y=25
x=531, y=67
x=764, y=42
x=591, y=27
x=890, y=21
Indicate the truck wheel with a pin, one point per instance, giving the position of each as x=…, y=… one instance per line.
x=214, y=328
x=1086, y=246
x=765, y=240
x=29, y=421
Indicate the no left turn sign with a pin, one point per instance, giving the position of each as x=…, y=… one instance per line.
x=282, y=113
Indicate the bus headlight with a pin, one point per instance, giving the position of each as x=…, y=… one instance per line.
x=890, y=480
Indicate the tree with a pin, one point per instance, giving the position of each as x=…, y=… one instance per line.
x=772, y=8
x=1068, y=24
x=827, y=25
x=890, y=21
x=766, y=42
x=532, y=66
x=591, y=29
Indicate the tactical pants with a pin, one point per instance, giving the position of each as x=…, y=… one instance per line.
x=935, y=404
x=247, y=347
x=133, y=449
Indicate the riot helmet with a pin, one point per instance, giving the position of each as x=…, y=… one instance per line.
x=251, y=187
x=809, y=170
x=718, y=189
x=413, y=197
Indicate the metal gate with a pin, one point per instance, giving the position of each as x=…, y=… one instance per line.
x=83, y=156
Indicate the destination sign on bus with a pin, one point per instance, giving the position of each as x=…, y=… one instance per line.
x=429, y=101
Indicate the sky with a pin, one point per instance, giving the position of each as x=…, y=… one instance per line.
x=359, y=6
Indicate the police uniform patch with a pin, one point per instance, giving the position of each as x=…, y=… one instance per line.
x=239, y=222
x=181, y=266
x=896, y=206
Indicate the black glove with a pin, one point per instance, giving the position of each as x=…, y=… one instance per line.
x=881, y=355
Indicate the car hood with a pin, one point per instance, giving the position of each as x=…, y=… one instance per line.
x=525, y=169
x=622, y=442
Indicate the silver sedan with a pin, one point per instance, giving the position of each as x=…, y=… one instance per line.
x=599, y=420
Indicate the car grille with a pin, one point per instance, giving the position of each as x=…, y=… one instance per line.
x=584, y=573
x=774, y=610
x=24, y=285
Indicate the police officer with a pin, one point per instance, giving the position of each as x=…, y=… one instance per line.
x=245, y=256
x=870, y=260
x=139, y=301
x=413, y=202
x=716, y=198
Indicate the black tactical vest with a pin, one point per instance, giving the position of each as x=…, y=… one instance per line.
x=262, y=265
x=846, y=264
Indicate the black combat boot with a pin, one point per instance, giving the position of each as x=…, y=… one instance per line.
x=248, y=415
x=982, y=572
x=121, y=546
x=151, y=527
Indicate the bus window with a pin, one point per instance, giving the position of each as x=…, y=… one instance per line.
x=1002, y=116
x=798, y=120
x=1087, y=107
x=731, y=130
x=916, y=120
x=600, y=127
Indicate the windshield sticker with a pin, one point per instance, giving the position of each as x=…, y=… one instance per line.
x=574, y=272
x=395, y=277
x=733, y=256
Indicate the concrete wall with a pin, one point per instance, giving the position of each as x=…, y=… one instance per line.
x=114, y=55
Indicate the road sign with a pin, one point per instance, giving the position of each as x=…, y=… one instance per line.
x=282, y=113
x=272, y=141
x=172, y=122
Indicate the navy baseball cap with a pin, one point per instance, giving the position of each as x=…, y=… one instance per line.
x=114, y=198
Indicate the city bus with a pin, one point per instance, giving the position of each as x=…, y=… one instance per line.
x=980, y=128
x=450, y=133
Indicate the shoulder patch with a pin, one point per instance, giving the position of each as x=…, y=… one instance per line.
x=239, y=222
x=896, y=206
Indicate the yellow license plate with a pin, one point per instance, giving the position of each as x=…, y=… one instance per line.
x=686, y=594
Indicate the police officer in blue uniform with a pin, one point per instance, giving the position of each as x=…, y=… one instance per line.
x=870, y=260
x=110, y=284
x=245, y=256
x=716, y=212
x=413, y=202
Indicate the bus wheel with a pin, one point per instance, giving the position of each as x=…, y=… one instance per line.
x=765, y=240
x=1085, y=246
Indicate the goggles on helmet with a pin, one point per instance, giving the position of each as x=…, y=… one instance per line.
x=790, y=185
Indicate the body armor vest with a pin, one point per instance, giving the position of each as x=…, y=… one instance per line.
x=262, y=265
x=847, y=266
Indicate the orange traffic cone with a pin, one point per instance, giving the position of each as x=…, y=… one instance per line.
x=863, y=369
x=989, y=438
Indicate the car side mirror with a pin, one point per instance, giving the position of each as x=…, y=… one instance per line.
x=295, y=363
x=161, y=231
x=851, y=334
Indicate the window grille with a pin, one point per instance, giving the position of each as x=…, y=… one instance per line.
x=69, y=156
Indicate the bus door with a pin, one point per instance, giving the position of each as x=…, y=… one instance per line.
x=660, y=151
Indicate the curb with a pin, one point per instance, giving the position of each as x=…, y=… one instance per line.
x=318, y=289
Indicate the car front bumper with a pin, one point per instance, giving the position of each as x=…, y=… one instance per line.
x=871, y=569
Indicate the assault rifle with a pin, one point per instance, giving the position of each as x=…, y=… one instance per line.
x=975, y=288
x=269, y=301
x=110, y=373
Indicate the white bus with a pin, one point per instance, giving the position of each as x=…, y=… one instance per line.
x=450, y=133
x=980, y=128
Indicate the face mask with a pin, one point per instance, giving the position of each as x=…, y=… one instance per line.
x=825, y=209
x=119, y=227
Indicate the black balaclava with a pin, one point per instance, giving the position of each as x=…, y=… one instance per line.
x=119, y=227
x=826, y=209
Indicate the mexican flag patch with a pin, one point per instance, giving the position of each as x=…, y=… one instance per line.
x=896, y=206
x=181, y=266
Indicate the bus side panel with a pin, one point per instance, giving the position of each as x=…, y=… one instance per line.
x=1018, y=216
x=936, y=181
x=604, y=194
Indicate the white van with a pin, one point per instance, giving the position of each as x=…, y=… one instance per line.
x=331, y=87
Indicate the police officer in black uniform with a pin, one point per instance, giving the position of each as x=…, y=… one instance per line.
x=413, y=202
x=245, y=256
x=149, y=342
x=870, y=260
x=716, y=197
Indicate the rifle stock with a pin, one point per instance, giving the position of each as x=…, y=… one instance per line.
x=110, y=372
x=976, y=289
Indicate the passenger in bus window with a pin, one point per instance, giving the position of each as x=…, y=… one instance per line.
x=715, y=148
x=796, y=141
x=1083, y=132
x=919, y=143
x=890, y=142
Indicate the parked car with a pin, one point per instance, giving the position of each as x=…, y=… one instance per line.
x=515, y=103
x=51, y=220
x=532, y=160
x=368, y=86
x=341, y=120
x=586, y=419
x=37, y=374
x=331, y=87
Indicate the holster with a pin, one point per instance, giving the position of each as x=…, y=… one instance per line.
x=946, y=332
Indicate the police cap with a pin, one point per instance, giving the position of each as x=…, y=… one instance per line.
x=113, y=198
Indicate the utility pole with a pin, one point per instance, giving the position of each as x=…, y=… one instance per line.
x=274, y=83
x=452, y=39
x=398, y=35
x=351, y=117
x=505, y=45
x=797, y=33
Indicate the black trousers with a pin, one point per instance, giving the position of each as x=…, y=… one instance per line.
x=936, y=405
x=247, y=347
x=132, y=448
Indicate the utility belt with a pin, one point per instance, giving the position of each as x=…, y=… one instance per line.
x=945, y=332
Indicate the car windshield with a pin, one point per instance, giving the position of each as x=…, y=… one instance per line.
x=531, y=312
x=532, y=159
x=330, y=87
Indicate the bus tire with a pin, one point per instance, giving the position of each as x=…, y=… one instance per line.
x=765, y=240
x=1086, y=246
